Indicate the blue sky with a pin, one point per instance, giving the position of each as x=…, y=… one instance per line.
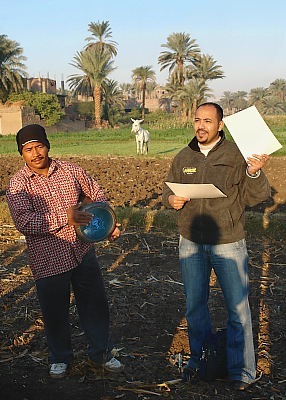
x=246, y=37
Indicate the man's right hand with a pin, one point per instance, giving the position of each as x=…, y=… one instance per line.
x=177, y=202
x=77, y=217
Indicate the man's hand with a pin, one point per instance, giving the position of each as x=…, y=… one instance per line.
x=115, y=234
x=77, y=217
x=177, y=202
x=256, y=162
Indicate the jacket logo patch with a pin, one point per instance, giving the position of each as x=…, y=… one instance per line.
x=189, y=170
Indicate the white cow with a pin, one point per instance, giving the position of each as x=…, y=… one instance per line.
x=141, y=135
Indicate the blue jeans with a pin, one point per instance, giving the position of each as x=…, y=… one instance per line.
x=91, y=301
x=230, y=263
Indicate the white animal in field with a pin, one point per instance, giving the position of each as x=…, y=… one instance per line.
x=141, y=135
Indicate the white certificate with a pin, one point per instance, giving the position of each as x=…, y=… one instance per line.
x=195, y=191
x=250, y=133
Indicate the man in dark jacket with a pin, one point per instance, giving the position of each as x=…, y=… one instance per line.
x=212, y=236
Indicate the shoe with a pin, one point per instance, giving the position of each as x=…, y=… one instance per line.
x=113, y=365
x=241, y=386
x=58, y=370
x=190, y=375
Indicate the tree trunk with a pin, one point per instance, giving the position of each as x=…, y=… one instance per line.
x=97, y=105
x=143, y=101
x=181, y=73
x=194, y=108
x=184, y=111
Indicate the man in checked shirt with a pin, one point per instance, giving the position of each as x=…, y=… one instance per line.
x=43, y=199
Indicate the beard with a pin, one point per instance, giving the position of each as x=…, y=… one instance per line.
x=202, y=136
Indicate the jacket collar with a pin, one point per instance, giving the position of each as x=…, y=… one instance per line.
x=194, y=142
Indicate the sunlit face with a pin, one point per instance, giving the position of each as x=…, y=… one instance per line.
x=36, y=157
x=207, y=124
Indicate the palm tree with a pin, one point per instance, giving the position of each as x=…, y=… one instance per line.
x=193, y=94
x=181, y=51
x=226, y=101
x=126, y=89
x=272, y=106
x=12, y=68
x=278, y=89
x=113, y=101
x=102, y=32
x=239, y=100
x=150, y=87
x=256, y=95
x=205, y=69
x=172, y=94
x=96, y=66
x=141, y=76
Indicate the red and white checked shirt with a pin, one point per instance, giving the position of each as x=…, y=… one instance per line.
x=38, y=205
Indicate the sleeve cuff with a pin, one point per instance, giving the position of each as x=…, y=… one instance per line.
x=256, y=175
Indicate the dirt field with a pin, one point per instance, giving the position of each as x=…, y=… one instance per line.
x=146, y=298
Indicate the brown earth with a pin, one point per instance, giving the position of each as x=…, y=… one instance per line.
x=146, y=298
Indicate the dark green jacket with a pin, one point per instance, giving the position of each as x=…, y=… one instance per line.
x=219, y=220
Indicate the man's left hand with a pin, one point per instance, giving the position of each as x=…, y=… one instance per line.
x=115, y=234
x=256, y=162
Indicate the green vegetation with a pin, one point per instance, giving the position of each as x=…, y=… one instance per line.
x=142, y=76
x=46, y=105
x=276, y=122
x=268, y=101
x=12, y=67
x=120, y=142
x=112, y=142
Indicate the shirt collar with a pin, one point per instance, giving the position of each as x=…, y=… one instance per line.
x=29, y=172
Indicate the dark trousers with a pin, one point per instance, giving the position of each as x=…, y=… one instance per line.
x=54, y=297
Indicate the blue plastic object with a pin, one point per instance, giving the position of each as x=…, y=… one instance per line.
x=102, y=224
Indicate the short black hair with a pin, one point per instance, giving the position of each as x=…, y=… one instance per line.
x=218, y=108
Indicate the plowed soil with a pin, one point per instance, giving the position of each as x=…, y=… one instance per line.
x=147, y=305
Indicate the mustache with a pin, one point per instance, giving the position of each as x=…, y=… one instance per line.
x=38, y=158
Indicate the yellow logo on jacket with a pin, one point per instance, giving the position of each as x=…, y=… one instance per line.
x=189, y=170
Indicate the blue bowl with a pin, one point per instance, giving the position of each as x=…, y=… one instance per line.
x=102, y=224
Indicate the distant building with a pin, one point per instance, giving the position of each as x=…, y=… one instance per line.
x=84, y=98
x=43, y=85
x=13, y=116
x=46, y=85
x=154, y=100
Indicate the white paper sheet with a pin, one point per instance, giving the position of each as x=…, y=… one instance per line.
x=250, y=133
x=195, y=191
